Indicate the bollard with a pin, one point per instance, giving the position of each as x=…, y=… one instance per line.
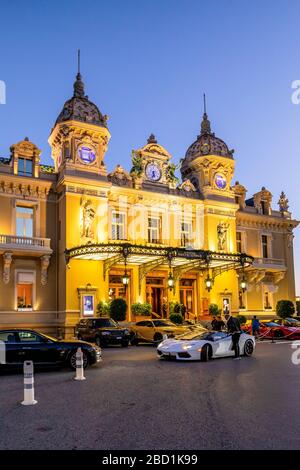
x=28, y=384
x=79, y=365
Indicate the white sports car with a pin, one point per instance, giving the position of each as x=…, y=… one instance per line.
x=203, y=346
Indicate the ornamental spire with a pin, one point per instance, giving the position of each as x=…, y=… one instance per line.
x=205, y=124
x=78, y=85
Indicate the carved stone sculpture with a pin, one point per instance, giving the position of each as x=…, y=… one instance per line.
x=87, y=219
x=45, y=261
x=222, y=228
x=7, y=259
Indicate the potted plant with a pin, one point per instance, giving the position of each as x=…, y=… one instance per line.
x=285, y=308
x=118, y=308
x=176, y=317
x=214, y=310
x=103, y=309
x=141, y=310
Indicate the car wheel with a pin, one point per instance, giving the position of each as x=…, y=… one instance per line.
x=278, y=334
x=157, y=338
x=98, y=341
x=206, y=353
x=248, y=348
x=124, y=344
x=72, y=360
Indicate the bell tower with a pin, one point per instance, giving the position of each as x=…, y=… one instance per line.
x=80, y=135
x=209, y=163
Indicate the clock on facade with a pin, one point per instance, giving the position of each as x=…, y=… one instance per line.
x=153, y=172
x=86, y=154
x=220, y=181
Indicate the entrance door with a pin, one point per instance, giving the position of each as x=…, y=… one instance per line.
x=155, y=296
x=187, y=297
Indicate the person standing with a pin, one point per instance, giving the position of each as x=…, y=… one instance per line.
x=220, y=323
x=214, y=323
x=234, y=328
x=255, y=326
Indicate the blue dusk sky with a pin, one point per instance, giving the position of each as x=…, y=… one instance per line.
x=147, y=63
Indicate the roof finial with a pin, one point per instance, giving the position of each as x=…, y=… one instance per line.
x=78, y=85
x=78, y=60
x=205, y=124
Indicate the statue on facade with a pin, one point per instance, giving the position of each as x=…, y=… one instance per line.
x=87, y=219
x=283, y=202
x=170, y=172
x=222, y=228
x=137, y=165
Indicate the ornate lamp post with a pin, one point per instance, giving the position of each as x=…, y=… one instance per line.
x=125, y=277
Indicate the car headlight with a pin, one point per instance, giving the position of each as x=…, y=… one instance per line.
x=160, y=345
x=105, y=333
x=186, y=346
x=126, y=332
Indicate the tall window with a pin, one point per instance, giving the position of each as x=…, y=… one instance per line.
x=118, y=226
x=25, y=283
x=267, y=300
x=239, y=247
x=154, y=224
x=264, y=244
x=24, y=167
x=24, y=222
x=186, y=233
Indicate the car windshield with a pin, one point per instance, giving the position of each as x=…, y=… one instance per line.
x=163, y=323
x=270, y=324
x=205, y=334
x=292, y=320
x=105, y=323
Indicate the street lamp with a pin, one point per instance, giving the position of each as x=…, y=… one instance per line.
x=170, y=281
x=208, y=283
x=125, y=277
x=243, y=284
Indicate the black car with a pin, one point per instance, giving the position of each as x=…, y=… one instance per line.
x=19, y=345
x=102, y=331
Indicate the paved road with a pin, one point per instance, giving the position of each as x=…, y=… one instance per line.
x=134, y=401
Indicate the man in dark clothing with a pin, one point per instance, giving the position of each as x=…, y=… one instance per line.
x=220, y=324
x=214, y=323
x=234, y=328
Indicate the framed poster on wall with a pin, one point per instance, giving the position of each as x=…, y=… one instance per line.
x=88, y=305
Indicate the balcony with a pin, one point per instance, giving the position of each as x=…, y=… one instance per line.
x=31, y=246
x=271, y=264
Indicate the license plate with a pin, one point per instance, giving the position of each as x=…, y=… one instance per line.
x=119, y=337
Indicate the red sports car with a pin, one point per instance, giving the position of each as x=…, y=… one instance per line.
x=269, y=330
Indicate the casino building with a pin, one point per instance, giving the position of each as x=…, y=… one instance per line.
x=73, y=235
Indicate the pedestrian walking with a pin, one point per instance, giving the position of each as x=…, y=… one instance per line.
x=255, y=326
x=234, y=328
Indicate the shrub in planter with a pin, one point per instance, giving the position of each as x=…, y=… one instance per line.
x=103, y=308
x=140, y=308
x=242, y=319
x=213, y=310
x=177, y=307
x=118, y=309
x=176, y=317
x=285, y=308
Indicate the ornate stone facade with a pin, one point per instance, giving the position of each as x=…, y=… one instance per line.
x=66, y=231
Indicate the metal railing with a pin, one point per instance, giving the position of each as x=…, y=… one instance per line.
x=24, y=241
x=270, y=261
